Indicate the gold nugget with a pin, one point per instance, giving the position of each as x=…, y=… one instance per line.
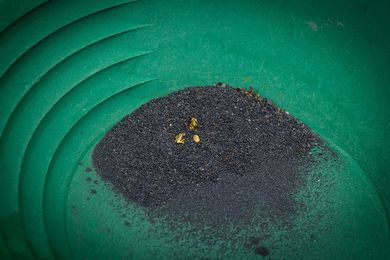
x=179, y=138
x=196, y=138
x=193, y=124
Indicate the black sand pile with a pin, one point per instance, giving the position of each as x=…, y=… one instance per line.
x=251, y=157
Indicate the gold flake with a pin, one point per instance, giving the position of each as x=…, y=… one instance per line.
x=179, y=138
x=193, y=124
x=196, y=138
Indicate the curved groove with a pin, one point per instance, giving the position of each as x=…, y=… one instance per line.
x=14, y=80
x=17, y=19
x=12, y=60
x=364, y=177
x=23, y=106
x=24, y=172
x=23, y=179
x=61, y=191
x=8, y=115
x=12, y=160
x=8, y=204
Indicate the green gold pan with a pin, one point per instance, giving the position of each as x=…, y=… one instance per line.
x=70, y=70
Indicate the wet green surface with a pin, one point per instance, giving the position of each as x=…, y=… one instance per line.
x=68, y=76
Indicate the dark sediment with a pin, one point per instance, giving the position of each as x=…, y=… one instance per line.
x=250, y=160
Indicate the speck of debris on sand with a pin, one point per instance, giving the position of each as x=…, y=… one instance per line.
x=261, y=251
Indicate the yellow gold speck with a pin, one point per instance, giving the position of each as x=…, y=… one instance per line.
x=179, y=138
x=193, y=124
x=196, y=138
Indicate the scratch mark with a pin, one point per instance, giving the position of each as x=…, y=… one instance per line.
x=313, y=26
x=339, y=24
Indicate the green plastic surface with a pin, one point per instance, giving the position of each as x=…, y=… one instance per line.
x=70, y=70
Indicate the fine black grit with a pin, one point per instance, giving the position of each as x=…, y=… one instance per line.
x=251, y=158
